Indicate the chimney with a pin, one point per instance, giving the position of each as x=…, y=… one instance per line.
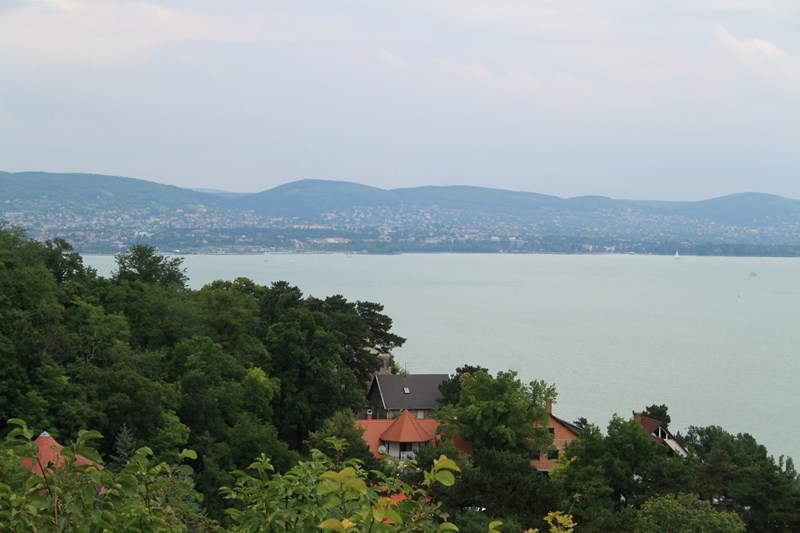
x=550, y=407
x=369, y=414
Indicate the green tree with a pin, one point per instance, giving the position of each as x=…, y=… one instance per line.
x=143, y=263
x=505, y=486
x=342, y=425
x=319, y=494
x=230, y=312
x=66, y=265
x=379, y=325
x=451, y=389
x=306, y=357
x=501, y=413
x=658, y=412
x=605, y=479
x=682, y=513
x=358, y=327
x=277, y=300
x=124, y=448
x=738, y=474
x=143, y=497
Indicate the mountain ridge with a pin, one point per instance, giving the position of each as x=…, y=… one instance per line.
x=116, y=210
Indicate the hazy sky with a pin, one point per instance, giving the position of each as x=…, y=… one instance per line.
x=649, y=99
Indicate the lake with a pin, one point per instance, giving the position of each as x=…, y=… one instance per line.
x=714, y=338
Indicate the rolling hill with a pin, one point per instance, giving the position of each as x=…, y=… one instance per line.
x=117, y=211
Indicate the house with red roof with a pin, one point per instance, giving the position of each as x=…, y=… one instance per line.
x=659, y=432
x=403, y=436
x=48, y=456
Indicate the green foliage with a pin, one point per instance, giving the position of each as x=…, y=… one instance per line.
x=236, y=369
x=124, y=448
x=143, y=496
x=736, y=473
x=318, y=494
x=341, y=426
x=308, y=360
x=658, y=412
x=501, y=412
x=682, y=513
x=606, y=478
x=505, y=486
x=142, y=263
x=451, y=389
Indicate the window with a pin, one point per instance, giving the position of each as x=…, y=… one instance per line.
x=406, y=390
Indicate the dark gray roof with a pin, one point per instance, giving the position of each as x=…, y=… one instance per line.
x=423, y=390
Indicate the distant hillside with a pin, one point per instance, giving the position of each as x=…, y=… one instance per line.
x=102, y=213
x=311, y=198
x=88, y=192
x=742, y=209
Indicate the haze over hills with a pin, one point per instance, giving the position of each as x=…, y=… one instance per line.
x=97, y=212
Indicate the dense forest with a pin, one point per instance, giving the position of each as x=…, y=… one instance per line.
x=231, y=408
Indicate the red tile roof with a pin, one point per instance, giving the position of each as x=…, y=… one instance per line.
x=406, y=428
x=378, y=432
x=48, y=453
x=650, y=425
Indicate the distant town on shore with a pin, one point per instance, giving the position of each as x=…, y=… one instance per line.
x=108, y=214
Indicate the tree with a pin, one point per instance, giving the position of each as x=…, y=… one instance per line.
x=736, y=473
x=306, y=357
x=279, y=298
x=320, y=494
x=379, y=325
x=607, y=478
x=451, y=389
x=501, y=413
x=682, y=513
x=658, y=412
x=63, y=262
x=342, y=426
x=359, y=327
x=124, y=448
x=506, y=487
x=230, y=312
x=143, y=263
x=144, y=496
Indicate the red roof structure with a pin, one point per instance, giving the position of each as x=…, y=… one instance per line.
x=48, y=456
x=405, y=429
x=659, y=432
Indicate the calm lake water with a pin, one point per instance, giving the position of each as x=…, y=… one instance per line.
x=716, y=339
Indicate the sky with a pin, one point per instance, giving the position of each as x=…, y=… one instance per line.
x=648, y=99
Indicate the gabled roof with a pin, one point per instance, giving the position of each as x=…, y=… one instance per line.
x=405, y=428
x=570, y=426
x=415, y=391
x=659, y=432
